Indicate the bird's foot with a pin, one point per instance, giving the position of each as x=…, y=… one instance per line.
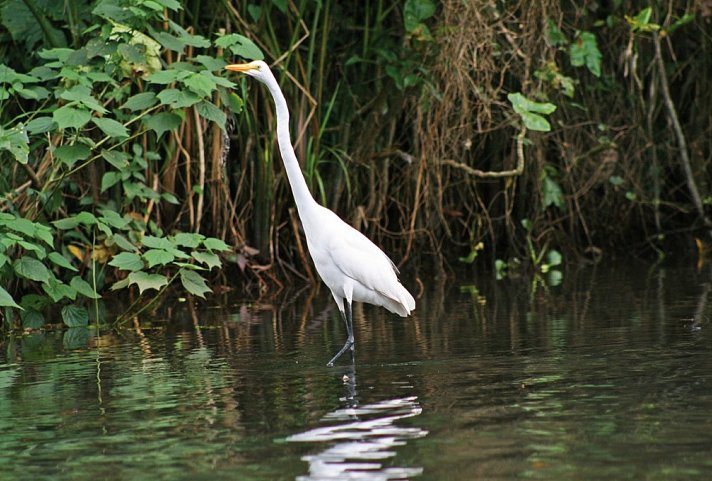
x=349, y=345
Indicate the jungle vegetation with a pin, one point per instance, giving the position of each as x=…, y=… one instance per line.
x=497, y=134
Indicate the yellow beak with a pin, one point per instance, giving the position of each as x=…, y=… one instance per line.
x=240, y=67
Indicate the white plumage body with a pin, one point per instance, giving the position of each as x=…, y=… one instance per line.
x=351, y=266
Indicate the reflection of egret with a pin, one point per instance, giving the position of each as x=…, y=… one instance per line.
x=352, y=266
x=360, y=438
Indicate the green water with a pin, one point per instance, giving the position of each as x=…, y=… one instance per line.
x=608, y=376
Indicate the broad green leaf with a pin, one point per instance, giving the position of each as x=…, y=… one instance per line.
x=32, y=269
x=555, y=36
x=40, y=125
x=127, y=261
x=82, y=95
x=552, y=193
x=240, y=45
x=32, y=319
x=153, y=242
x=200, y=84
x=207, y=258
x=114, y=219
x=584, y=51
x=416, y=11
x=162, y=122
x=6, y=299
x=193, y=282
x=141, y=101
x=145, y=281
x=66, y=224
x=118, y=159
x=61, y=261
x=20, y=224
x=111, y=127
x=15, y=141
x=209, y=111
x=75, y=316
x=216, y=244
x=120, y=284
x=70, y=154
x=174, y=5
x=86, y=218
x=164, y=77
x=178, y=99
x=535, y=122
x=169, y=41
x=156, y=257
x=32, y=247
x=211, y=63
x=522, y=104
x=58, y=290
x=188, y=239
x=110, y=179
x=83, y=288
x=69, y=117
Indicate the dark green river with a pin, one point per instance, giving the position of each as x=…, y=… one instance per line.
x=608, y=376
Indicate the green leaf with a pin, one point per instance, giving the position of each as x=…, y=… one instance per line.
x=188, y=239
x=164, y=77
x=416, y=11
x=211, y=63
x=553, y=257
x=535, y=122
x=240, y=45
x=163, y=122
x=200, y=84
x=6, y=299
x=522, y=104
x=153, y=242
x=529, y=111
x=32, y=269
x=141, y=101
x=552, y=193
x=209, y=111
x=120, y=284
x=40, y=125
x=145, y=281
x=110, y=179
x=82, y=95
x=70, y=154
x=83, y=288
x=207, y=258
x=111, y=127
x=127, y=261
x=58, y=290
x=118, y=159
x=32, y=319
x=61, y=261
x=193, y=282
x=75, y=316
x=555, y=36
x=178, y=99
x=156, y=257
x=15, y=141
x=69, y=117
x=216, y=244
x=114, y=219
x=584, y=51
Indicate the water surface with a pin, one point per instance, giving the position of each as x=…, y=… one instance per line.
x=606, y=376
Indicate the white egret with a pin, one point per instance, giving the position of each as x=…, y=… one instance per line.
x=351, y=266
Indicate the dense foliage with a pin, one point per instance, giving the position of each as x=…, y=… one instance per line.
x=528, y=131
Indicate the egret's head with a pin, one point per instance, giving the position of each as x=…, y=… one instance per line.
x=257, y=69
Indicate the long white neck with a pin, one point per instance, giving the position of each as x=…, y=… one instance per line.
x=300, y=191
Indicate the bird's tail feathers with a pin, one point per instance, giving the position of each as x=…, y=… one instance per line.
x=402, y=304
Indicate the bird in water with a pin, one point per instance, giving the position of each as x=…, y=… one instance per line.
x=352, y=267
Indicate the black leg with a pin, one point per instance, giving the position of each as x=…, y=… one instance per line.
x=347, y=315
